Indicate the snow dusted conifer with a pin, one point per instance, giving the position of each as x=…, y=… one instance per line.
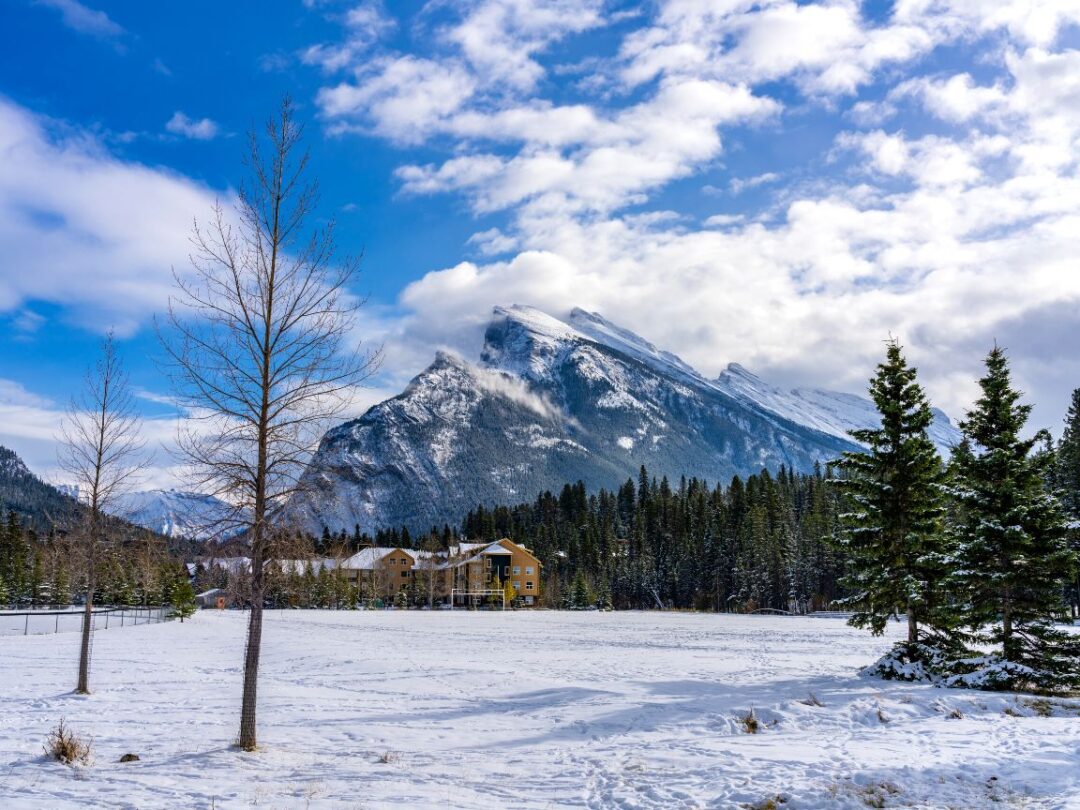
x=894, y=530
x=1067, y=480
x=183, y=598
x=1012, y=556
x=1067, y=463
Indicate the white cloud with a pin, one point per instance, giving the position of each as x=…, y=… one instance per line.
x=365, y=24
x=949, y=221
x=741, y=184
x=499, y=38
x=404, y=98
x=30, y=425
x=202, y=129
x=85, y=230
x=84, y=19
x=612, y=162
x=827, y=48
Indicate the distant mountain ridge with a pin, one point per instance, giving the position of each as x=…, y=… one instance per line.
x=178, y=514
x=554, y=401
x=36, y=503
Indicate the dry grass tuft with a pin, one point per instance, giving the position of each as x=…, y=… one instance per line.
x=65, y=746
x=812, y=700
x=750, y=723
x=389, y=757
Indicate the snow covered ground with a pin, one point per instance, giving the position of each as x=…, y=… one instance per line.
x=519, y=710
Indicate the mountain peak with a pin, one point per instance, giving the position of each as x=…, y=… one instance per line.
x=737, y=370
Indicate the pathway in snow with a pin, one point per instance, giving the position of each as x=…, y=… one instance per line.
x=519, y=710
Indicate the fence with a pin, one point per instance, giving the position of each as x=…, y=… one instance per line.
x=37, y=622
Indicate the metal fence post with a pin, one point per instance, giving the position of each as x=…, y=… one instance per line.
x=26, y=632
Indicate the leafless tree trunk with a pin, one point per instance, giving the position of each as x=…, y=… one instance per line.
x=258, y=336
x=101, y=451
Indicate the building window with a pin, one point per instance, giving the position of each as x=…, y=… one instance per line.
x=528, y=585
x=393, y=561
x=404, y=561
x=528, y=569
x=517, y=570
x=528, y=600
x=517, y=585
x=487, y=561
x=404, y=574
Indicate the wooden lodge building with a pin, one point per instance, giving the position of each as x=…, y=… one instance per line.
x=465, y=575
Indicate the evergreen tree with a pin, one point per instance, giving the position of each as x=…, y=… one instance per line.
x=183, y=599
x=1012, y=557
x=1067, y=481
x=893, y=532
x=36, y=587
x=579, y=592
x=61, y=584
x=1067, y=462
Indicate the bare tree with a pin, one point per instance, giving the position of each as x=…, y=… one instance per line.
x=101, y=451
x=259, y=346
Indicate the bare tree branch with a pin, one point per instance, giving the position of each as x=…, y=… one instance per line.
x=259, y=353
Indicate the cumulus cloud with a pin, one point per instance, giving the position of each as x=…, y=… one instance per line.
x=364, y=24
x=78, y=229
x=948, y=235
x=202, y=129
x=30, y=425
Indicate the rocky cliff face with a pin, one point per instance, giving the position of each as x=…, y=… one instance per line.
x=554, y=401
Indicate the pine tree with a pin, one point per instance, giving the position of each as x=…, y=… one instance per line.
x=183, y=599
x=61, y=584
x=1013, y=558
x=894, y=531
x=1067, y=481
x=1067, y=463
x=579, y=592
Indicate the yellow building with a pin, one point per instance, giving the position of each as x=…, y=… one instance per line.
x=476, y=568
x=467, y=574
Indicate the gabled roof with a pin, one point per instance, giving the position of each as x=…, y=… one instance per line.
x=366, y=558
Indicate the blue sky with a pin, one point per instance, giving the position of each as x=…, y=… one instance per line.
x=775, y=183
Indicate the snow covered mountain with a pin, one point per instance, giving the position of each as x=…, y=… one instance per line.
x=176, y=514
x=831, y=412
x=553, y=401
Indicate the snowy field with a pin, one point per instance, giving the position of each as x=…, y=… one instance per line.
x=519, y=710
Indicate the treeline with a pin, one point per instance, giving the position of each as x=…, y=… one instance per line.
x=758, y=543
x=43, y=569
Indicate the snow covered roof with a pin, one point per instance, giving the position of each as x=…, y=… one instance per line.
x=317, y=564
x=231, y=564
x=366, y=558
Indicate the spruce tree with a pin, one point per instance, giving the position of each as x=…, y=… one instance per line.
x=1067, y=463
x=893, y=532
x=183, y=599
x=579, y=593
x=1067, y=480
x=1013, y=557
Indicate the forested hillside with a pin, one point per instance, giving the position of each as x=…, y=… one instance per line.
x=36, y=503
x=758, y=543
